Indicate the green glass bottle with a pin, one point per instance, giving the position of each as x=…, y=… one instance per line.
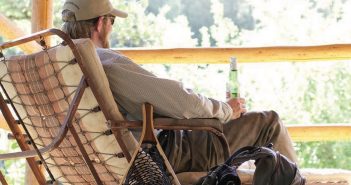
x=233, y=79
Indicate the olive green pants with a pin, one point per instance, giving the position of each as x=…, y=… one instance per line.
x=199, y=151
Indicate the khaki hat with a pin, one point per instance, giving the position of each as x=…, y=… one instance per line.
x=89, y=9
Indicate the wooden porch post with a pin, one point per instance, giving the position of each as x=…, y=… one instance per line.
x=42, y=16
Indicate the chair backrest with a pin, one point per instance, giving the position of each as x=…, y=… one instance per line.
x=42, y=87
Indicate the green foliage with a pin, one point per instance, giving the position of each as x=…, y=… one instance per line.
x=16, y=9
x=197, y=12
x=200, y=13
x=324, y=154
x=137, y=29
x=333, y=86
x=13, y=170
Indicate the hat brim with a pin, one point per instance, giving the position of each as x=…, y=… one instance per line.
x=119, y=13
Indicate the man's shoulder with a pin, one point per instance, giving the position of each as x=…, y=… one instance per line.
x=108, y=54
x=109, y=57
x=105, y=51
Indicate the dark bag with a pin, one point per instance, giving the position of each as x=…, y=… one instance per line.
x=272, y=168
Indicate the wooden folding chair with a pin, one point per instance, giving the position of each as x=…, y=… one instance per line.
x=60, y=109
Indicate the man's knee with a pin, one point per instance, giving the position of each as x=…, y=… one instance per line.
x=264, y=118
x=270, y=126
x=272, y=118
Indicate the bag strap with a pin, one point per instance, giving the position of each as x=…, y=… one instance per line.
x=250, y=153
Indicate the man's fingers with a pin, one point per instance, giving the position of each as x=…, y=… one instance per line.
x=243, y=110
x=238, y=105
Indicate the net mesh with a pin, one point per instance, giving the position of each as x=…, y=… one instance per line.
x=148, y=168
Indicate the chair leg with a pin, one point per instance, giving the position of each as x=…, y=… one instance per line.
x=149, y=161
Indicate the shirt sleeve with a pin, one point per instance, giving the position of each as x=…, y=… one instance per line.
x=132, y=86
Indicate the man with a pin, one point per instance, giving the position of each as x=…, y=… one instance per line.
x=131, y=86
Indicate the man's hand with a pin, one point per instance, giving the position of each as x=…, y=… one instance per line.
x=238, y=106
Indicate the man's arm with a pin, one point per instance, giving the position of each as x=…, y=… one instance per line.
x=131, y=86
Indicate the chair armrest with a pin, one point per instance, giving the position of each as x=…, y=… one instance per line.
x=213, y=125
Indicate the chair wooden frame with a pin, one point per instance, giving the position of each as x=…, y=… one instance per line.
x=160, y=123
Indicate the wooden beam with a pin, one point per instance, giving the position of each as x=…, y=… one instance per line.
x=21, y=140
x=30, y=178
x=42, y=16
x=325, y=132
x=249, y=55
x=11, y=31
x=3, y=123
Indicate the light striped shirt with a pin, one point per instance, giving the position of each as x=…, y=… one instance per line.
x=132, y=86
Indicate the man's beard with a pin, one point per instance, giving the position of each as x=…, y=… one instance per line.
x=104, y=38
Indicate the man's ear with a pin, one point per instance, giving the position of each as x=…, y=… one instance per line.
x=100, y=24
